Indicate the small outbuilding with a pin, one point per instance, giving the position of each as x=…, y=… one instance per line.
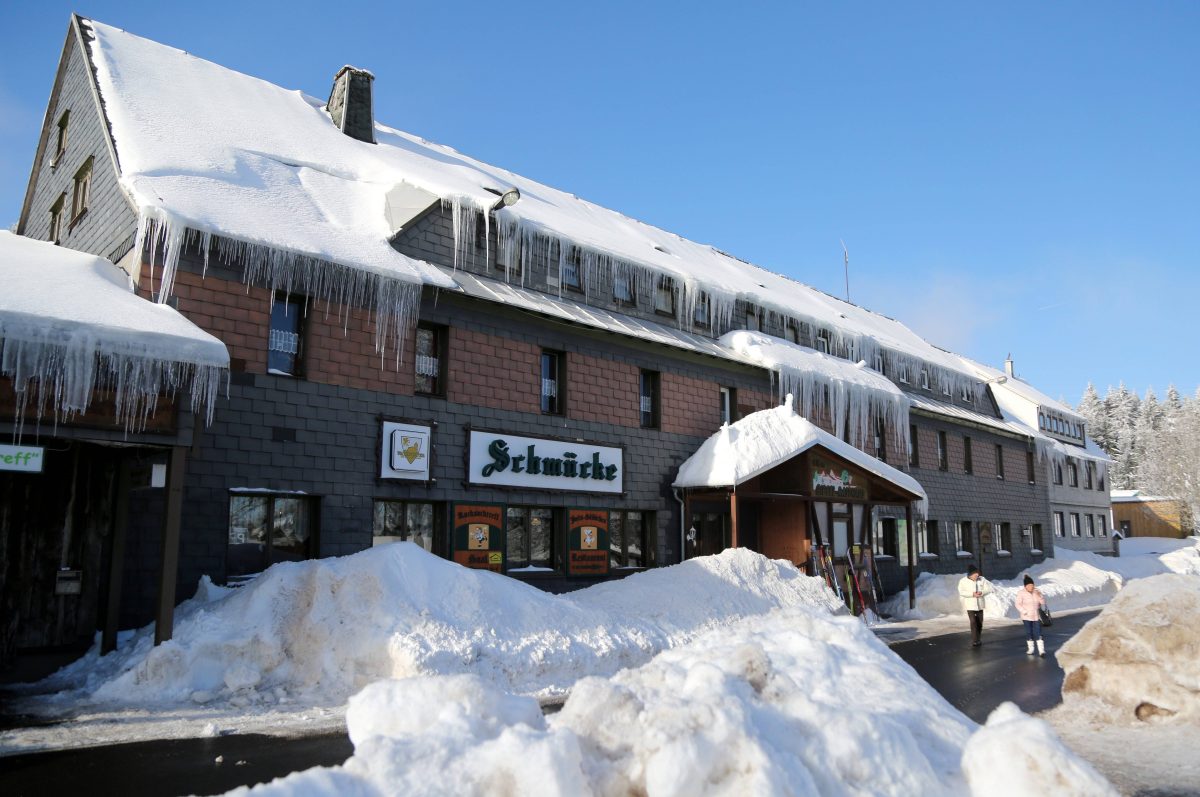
x=1139, y=514
x=778, y=484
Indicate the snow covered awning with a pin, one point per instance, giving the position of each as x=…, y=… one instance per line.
x=850, y=394
x=762, y=440
x=71, y=325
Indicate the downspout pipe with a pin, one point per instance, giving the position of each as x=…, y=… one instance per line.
x=682, y=522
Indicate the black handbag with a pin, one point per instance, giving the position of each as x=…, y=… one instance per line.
x=1044, y=616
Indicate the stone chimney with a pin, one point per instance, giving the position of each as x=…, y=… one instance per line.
x=1008, y=366
x=350, y=104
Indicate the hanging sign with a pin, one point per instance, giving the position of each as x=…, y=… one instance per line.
x=588, y=542
x=24, y=459
x=405, y=452
x=544, y=464
x=477, y=539
x=836, y=481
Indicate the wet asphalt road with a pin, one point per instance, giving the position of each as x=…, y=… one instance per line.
x=974, y=680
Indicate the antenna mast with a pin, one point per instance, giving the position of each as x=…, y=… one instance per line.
x=846, y=261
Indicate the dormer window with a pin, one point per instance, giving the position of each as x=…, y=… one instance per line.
x=902, y=373
x=823, y=341
x=702, y=315
x=877, y=363
x=623, y=289
x=965, y=394
x=793, y=332
x=60, y=146
x=1041, y=420
x=753, y=322
x=664, y=296
x=924, y=378
x=570, y=271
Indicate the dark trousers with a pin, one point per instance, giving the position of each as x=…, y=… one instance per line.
x=1033, y=629
x=976, y=618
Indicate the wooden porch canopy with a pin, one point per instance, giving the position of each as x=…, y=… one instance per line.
x=785, y=482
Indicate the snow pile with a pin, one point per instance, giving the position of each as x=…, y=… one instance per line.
x=1140, y=657
x=1066, y=584
x=320, y=630
x=742, y=450
x=852, y=395
x=1144, y=556
x=1018, y=754
x=794, y=702
x=70, y=324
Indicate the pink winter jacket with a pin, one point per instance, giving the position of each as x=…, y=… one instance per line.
x=1028, y=602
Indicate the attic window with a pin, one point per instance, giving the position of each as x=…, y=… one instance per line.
x=60, y=146
x=664, y=296
x=823, y=341
x=965, y=394
x=82, y=192
x=877, y=363
x=570, y=270
x=925, y=378
x=753, y=322
x=56, y=218
x=902, y=373
x=793, y=332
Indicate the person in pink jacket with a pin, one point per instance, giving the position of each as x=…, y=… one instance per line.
x=1028, y=601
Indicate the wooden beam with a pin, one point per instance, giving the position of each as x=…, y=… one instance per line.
x=116, y=567
x=733, y=524
x=912, y=558
x=172, y=513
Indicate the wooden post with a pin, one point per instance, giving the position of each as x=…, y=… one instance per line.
x=912, y=557
x=733, y=512
x=116, y=567
x=173, y=511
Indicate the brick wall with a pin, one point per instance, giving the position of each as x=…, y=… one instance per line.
x=496, y=372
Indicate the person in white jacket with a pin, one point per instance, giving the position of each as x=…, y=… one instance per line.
x=1029, y=598
x=972, y=589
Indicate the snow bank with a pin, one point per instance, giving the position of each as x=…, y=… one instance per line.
x=1018, y=754
x=793, y=702
x=321, y=630
x=71, y=324
x=1141, y=655
x=1066, y=584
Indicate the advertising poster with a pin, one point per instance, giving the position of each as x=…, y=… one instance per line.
x=477, y=539
x=587, y=553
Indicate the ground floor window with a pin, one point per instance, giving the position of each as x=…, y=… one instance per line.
x=886, y=542
x=265, y=529
x=1058, y=524
x=531, y=538
x=927, y=537
x=1103, y=522
x=1006, y=537
x=397, y=521
x=1037, y=537
x=1074, y=524
x=627, y=535
x=963, y=538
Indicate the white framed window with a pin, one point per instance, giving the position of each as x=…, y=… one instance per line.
x=1074, y=524
x=1058, y=524
x=728, y=399
x=702, y=315
x=925, y=378
x=623, y=292
x=902, y=372
x=285, y=341
x=664, y=296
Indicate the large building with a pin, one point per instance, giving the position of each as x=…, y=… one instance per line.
x=424, y=347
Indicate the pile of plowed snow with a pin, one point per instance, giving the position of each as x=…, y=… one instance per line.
x=793, y=702
x=1140, y=657
x=1066, y=584
x=320, y=630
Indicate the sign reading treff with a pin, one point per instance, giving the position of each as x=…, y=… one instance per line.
x=538, y=463
x=25, y=459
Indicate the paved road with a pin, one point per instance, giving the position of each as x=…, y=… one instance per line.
x=976, y=680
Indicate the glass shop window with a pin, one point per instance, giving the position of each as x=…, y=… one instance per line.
x=403, y=521
x=266, y=529
x=531, y=538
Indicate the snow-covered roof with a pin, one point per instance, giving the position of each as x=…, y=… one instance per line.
x=971, y=416
x=590, y=316
x=1017, y=397
x=204, y=148
x=1136, y=496
x=762, y=440
x=72, y=322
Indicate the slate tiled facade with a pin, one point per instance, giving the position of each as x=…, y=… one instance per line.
x=318, y=435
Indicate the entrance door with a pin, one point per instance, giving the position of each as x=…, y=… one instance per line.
x=708, y=534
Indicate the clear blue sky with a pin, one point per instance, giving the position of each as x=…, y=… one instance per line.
x=1020, y=177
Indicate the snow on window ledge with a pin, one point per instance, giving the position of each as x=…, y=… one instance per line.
x=884, y=557
x=926, y=555
x=531, y=569
x=1000, y=552
x=965, y=555
x=1036, y=551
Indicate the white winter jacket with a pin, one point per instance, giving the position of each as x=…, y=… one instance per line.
x=966, y=593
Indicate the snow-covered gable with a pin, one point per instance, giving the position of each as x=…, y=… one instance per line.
x=852, y=395
x=205, y=151
x=71, y=324
x=762, y=440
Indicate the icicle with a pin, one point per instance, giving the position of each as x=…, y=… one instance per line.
x=67, y=376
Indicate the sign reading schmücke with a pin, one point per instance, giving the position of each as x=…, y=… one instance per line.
x=535, y=462
x=25, y=459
